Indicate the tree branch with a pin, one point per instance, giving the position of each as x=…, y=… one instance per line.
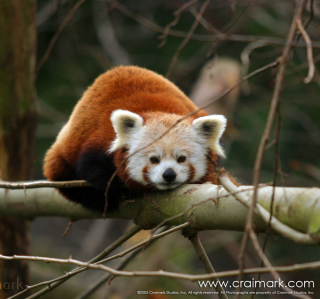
x=204, y=207
x=161, y=273
x=275, y=224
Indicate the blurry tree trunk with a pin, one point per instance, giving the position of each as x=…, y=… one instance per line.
x=18, y=119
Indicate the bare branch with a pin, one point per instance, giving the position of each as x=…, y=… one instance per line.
x=102, y=261
x=209, y=37
x=44, y=184
x=189, y=203
x=161, y=273
x=203, y=257
x=275, y=224
x=175, y=21
x=266, y=134
x=57, y=34
x=185, y=41
x=146, y=242
x=309, y=51
x=272, y=270
x=59, y=281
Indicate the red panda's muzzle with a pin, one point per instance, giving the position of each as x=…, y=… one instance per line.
x=169, y=175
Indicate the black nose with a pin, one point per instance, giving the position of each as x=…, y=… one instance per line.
x=169, y=175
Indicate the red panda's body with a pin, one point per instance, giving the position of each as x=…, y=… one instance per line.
x=122, y=111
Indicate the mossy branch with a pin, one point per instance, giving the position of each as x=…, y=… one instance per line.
x=204, y=207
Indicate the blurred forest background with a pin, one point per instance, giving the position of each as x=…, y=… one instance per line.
x=103, y=34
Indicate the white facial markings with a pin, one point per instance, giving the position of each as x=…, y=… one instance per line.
x=177, y=158
x=181, y=154
x=167, y=173
x=126, y=124
x=210, y=128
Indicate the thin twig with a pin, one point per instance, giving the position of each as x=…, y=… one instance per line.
x=205, y=24
x=272, y=270
x=161, y=273
x=308, y=41
x=203, y=257
x=67, y=229
x=206, y=37
x=44, y=184
x=177, y=14
x=57, y=34
x=55, y=283
x=146, y=242
x=273, y=107
x=102, y=261
x=275, y=176
x=91, y=289
x=126, y=260
x=186, y=40
x=228, y=26
x=275, y=224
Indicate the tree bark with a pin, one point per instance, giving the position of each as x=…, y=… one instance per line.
x=18, y=119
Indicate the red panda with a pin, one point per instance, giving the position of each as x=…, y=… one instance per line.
x=121, y=112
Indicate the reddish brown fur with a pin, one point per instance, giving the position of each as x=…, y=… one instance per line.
x=211, y=175
x=191, y=172
x=90, y=129
x=129, y=88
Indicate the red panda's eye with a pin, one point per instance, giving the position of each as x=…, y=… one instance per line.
x=181, y=159
x=154, y=160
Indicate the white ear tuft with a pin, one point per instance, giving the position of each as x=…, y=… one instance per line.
x=124, y=123
x=211, y=128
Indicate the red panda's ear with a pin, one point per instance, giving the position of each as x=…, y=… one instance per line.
x=211, y=128
x=125, y=123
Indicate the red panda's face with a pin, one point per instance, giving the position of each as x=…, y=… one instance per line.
x=167, y=163
x=179, y=157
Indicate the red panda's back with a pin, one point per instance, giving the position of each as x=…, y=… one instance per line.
x=126, y=87
x=137, y=90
